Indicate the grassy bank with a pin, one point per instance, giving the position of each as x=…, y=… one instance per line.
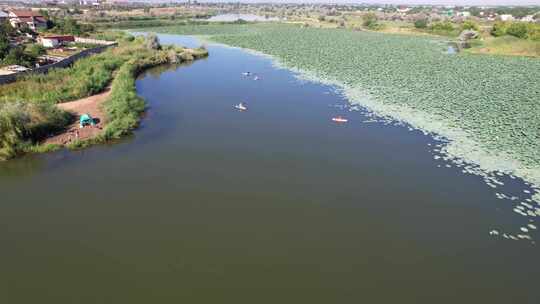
x=27, y=107
x=124, y=107
x=506, y=45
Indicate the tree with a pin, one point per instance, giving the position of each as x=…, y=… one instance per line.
x=44, y=13
x=35, y=50
x=17, y=56
x=470, y=25
x=6, y=29
x=369, y=20
x=421, y=23
x=518, y=29
x=444, y=26
x=499, y=29
x=4, y=47
x=71, y=26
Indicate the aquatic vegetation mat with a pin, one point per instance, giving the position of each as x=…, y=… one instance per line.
x=493, y=101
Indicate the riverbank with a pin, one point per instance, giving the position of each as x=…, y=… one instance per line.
x=485, y=105
x=29, y=115
x=93, y=106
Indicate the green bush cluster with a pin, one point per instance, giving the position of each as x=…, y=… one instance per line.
x=371, y=21
x=445, y=28
x=499, y=29
x=86, y=77
x=421, y=23
x=21, y=122
x=27, y=107
x=470, y=25
x=18, y=55
x=522, y=30
x=71, y=26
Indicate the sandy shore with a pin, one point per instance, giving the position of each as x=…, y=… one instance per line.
x=90, y=105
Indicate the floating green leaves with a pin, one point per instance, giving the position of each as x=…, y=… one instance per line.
x=494, y=99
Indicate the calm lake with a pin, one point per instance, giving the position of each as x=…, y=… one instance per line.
x=205, y=204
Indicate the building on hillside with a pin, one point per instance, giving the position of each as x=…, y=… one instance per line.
x=463, y=14
x=12, y=69
x=27, y=18
x=506, y=17
x=448, y=13
x=528, y=18
x=3, y=16
x=89, y=2
x=403, y=9
x=54, y=41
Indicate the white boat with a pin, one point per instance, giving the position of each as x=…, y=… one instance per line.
x=240, y=107
x=339, y=119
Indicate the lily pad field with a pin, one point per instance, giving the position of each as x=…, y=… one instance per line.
x=487, y=107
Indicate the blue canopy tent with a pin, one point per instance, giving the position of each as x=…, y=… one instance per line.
x=85, y=120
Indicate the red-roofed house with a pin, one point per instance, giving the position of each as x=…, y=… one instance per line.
x=54, y=41
x=27, y=18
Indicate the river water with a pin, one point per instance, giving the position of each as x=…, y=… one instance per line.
x=205, y=204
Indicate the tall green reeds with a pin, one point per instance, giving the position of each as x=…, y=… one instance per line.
x=22, y=123
x=27, y=107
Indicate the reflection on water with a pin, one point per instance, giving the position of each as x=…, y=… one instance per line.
x=452, y=48
x=157, y=71
x=23, y=166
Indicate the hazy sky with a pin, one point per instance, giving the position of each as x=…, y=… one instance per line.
x=437, y=2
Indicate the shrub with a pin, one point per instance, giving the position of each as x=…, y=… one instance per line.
x=421, y=23
x=518, y=29
x=87, y=76
x=35, y=50
x=4, y=47
x=370, y=20
x=13, y=120
x=443, y=26
x=534, y=31
x=17, y=56
x=6, y=29
x=20, y=123
x=499, y=29
x=470, y=25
